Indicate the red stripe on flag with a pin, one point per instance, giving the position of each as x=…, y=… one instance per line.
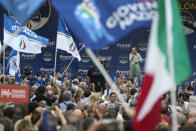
x=29, y=39
x=37, y=42
x=63, y=34
x=149, y=122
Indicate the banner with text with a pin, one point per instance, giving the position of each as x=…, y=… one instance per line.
x=10, y=93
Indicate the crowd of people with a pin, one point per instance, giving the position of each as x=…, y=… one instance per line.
x=64, y=103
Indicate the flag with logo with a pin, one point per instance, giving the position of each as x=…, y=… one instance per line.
x=26, y=41
x=65, y=41
x=167, y=64
x=99, y=22
x=22, y=10
x=13, y=62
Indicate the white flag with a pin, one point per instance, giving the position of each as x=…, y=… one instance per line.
x=13, y=62
x=65, y=41
x=25, y=41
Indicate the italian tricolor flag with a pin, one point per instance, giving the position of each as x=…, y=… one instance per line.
x=23, y=40
x=22, y=45
x=65, y=41
x=167, y=64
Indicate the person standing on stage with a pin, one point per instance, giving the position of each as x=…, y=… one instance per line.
x=135, y=59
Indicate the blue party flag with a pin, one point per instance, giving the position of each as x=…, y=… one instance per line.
x=177, y=89
x=13, y=62
x=47, y=127
x=139, y=80
x=195, y=90
x=22, y=10
x=26, y=40
x=63, y=78
x=183, y=86
x=97, y=23
x=16, y=76
x=41, y=81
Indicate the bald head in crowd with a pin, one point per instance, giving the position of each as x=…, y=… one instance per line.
x=78, y=113
x=102, y=108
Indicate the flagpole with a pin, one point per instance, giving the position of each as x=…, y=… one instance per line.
x=73, y=59
x=174, y=112
x=4, y=62
x=107, y=77
x=55, y=62
x=170, y=43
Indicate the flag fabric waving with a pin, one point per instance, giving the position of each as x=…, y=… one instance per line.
x=47, y=126
x=183, y=86
x=99, y=22
x=17, y=76
x=22, y=10
x=26, y=41
x=167, y=64
x=65, y=41
x=13, y=62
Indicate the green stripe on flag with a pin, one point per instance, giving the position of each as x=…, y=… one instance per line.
x=71, y=45
x=182, y=66
x=162, y=33
x=20, y=45
x=86, y=11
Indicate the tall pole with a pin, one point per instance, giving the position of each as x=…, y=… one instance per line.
x=73, y=59
x=107, y=77
x=55, y=61
x=4, y=62
x=170, y=43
